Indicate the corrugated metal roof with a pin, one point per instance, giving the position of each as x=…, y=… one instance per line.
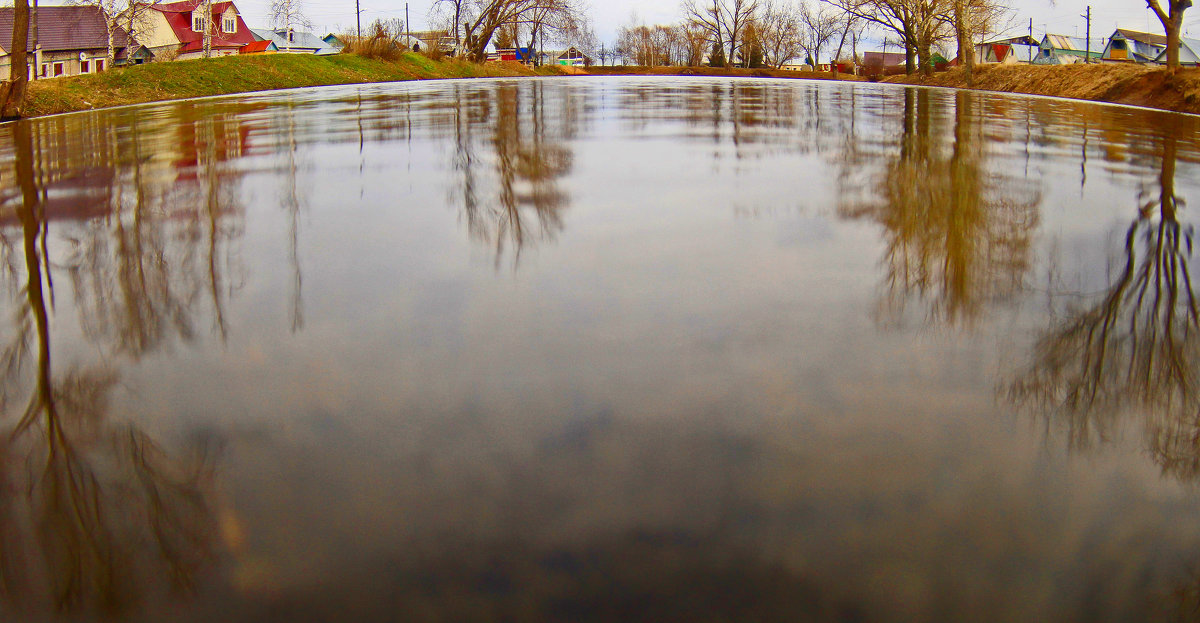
x=63, y=28
x=1144, y=37
x=300, y=40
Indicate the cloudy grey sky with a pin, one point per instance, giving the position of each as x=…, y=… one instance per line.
x=1060, y=17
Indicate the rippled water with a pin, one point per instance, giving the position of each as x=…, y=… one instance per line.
x=600, y=349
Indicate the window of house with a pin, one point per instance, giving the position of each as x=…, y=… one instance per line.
x=230, y=24
x=84, y=66
x=99, y=65
x=44, y=67
x=58, y=69
x=1118, y=44
x=197, y=22
x=291, y=36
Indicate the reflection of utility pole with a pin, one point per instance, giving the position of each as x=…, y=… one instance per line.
x=1087, y=53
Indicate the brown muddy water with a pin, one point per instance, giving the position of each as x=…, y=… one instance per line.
x=600, y=349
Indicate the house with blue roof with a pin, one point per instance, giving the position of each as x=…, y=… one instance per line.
x=295, y=41
x=1189, y=53
x=1132, y=46
x=1064, y=50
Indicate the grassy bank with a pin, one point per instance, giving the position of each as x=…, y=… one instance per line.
x=714, y=71
x=238, y=74
x=1130, y=84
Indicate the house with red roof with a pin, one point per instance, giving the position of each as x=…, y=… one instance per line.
x=72, y=40
x=176, y=30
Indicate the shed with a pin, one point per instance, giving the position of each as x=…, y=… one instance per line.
x=1064, y=50
x=1189, y=53
x=1133, y=46
x=1007, y=51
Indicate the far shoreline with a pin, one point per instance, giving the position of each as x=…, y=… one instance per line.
x=1123, y=84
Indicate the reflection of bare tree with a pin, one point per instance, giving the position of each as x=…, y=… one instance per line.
x=98, y=516
x=1137, y=346
x=529, y=160
x=956, y=237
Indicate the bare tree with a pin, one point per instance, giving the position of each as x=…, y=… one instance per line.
x=1171, y=20
x=485, y=17
x=288, y=15
x=819, y=25
x=455, y=10
x=779, y=29
x=917, y=24
x=724, y=20
x=12, y=92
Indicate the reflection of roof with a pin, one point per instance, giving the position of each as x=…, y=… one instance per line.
x=62, y=28
x=79, y=197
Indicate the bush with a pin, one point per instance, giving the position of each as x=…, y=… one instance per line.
x=378, y=43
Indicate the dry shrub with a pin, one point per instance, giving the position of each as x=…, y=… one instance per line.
x=433, y=52
x=378, y=43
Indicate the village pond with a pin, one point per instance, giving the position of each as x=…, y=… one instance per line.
x=600, y=349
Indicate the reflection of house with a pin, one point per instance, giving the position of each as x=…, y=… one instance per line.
x=1064, y=50
x=573, y=57
x=1189, y=53
x=295, y=41
x=1007, y=51
x=72, y=40
x=177, y=28
x=1131, y=45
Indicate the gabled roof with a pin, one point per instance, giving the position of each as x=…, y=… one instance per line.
x=1189, y=52
x=300, y=40
x=179, y=17
x=1144, y=37
x=64, y=28
x=258, y=46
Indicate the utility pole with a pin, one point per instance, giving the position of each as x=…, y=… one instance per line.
x=1087, y=48
x=34, y=45
x=407, y=27
x=358, y=19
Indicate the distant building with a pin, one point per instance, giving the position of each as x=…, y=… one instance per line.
x=1133, y=46
x=72, y=40
x=1064, y=50
x=884, y=59
x=292, y=41
x=572, y=57
x=1189, y=53
x=176, y=30
x=1007, y=51
x=259, y=47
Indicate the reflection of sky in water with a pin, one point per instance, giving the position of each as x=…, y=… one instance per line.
x=497, y=347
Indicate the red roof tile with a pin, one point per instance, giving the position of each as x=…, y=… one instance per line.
x=179, y=17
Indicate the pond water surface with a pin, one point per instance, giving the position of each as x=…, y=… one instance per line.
x=600, y=349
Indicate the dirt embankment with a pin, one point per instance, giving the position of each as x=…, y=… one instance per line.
x=1130, y=84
